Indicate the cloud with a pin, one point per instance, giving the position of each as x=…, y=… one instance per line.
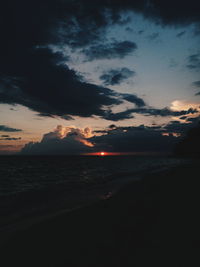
x=147, y=111
x=190, y=145
x=194, y=62
x=116, y=76
x=143, y=138
x=165, y=112
x=79, y=23
x=180, y=34
x=72, y=140
x=63, y=140
x=182, y=128
x=39, y=79
x=4, y=128
x=183, y=118
x=109, y=51
x=52, y=89
x=153, y=36
x=127, y=114
x=134, y=139
x=196, y=84
x=194, y=120
x=133, y=99
x=159, y=12
x=191, y=107
x=140, y=32
x=10, y=138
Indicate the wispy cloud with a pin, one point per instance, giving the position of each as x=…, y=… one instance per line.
x=4, y=128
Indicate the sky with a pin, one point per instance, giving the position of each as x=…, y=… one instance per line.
x=79, y=77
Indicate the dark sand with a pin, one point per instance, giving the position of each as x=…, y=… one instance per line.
x=153, y=222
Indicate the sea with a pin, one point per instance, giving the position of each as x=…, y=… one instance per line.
x=36, y=187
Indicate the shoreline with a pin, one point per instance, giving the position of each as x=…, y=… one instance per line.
x=153, y=213
x=114, y=184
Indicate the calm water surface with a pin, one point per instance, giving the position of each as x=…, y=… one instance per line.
x=35, y=185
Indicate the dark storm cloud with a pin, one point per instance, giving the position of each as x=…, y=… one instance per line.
x=194, y=120
x=109, y=51
x=143, y=138
x=78, y=23
x=116, y=76
x=56, y=146
x=182, y=128
x=194, y=62
x=4, y=128
x=118, y=139
x=37, y=78
x=164, y=12
x=190, y=145
x=137, y=139
x=197, y=93
x=113, y=139
x=172, y=12
x=52, y=89
x=34, y=76
x=171, y=127
x=180, y=34
x=178, y=127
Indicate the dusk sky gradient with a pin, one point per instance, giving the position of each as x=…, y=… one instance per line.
x=119, y=76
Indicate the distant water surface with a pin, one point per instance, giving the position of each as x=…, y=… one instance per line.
x=31, y=186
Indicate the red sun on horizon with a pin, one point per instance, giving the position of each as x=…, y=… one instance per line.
x=102, y=153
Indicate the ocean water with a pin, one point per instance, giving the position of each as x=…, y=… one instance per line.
x=36, y=186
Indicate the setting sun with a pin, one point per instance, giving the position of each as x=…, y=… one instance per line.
x=102, y=153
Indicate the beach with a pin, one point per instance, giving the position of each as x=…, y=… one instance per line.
x=157, y=215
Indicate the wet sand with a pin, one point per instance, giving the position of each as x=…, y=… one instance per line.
x=147, y=223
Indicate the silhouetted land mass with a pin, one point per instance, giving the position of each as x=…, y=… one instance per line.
x=152, y=222
x=190, y=145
